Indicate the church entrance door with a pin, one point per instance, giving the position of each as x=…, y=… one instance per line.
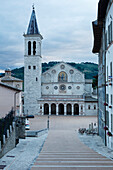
x=53, y=109
x=69, y=110
x=61, y=109
x=46, y=109
x=76, y=109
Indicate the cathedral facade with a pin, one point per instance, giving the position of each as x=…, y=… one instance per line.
x=61, y=90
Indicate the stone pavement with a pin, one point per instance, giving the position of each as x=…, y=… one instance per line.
x=24, y=155
x=64, y=150
x=95, y=142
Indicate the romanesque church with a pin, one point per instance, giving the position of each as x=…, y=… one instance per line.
x=61, y=90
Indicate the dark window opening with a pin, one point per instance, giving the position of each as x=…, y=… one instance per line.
x=29, y=67
x=34, y=47
x=29, y=48
x=34, y=67
x=94, y=107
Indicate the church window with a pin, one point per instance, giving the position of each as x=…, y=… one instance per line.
x=36, y=79
x=55, y=87
x=29, y=67
x=17, y=85
x=34, y=67
x=69, y=87
x=89, y=107
x=47, y=87
x=71, y=71
x=29, y=48
x=62, y=87
x=62, y=66
x=81, y=108
x=78, y=87
x=53, y=71
x=94, y=107
x=62, y=77
x=34, y=47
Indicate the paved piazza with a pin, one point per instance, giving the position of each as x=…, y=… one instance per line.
x=61, y=122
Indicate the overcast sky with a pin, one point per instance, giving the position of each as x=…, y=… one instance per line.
x=66, y=26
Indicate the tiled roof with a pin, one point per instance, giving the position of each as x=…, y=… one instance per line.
x=10, y=87
x=10, y=78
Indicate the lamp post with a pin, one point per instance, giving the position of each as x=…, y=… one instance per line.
x=48, y=123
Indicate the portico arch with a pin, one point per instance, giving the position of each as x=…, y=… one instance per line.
x=61, y=109
x=46, y=109
x=76, y=109
x=53, y=109
x=69, y=109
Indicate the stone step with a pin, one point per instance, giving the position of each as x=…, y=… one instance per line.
x=73, y=159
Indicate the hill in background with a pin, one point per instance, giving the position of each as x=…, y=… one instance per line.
x=89, y=69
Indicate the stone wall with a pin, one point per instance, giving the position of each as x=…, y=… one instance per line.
x=17, y=131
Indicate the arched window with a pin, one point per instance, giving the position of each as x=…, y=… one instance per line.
x=94, y=107
x=29, y=67
x=62, y=77
x=34, y=47
x=29, y=48
x=36, y=79
x=89, y=107
x=81, y=108
x=34, y=67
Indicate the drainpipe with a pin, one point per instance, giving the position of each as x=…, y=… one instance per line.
x=105, y=78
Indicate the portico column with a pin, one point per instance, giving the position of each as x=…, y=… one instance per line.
x=57, y=109
x=42, y=109
x=83, y=109
x=72, y=109
x=80, y=113
x=65, y=113
x=49, y=109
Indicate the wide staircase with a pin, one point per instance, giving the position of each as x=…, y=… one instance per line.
x=63, y=150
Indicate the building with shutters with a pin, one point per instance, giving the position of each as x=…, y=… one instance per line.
x=103, y=46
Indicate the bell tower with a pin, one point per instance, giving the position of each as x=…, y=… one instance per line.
x=32, y=67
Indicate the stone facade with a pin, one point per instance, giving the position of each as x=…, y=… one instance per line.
x=103, y=45
x=61, y=90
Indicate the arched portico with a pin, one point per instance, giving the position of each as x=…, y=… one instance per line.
x=46, y=109
x=76, y=109
x=69, y=109
x=61, y=109
x=53, y=109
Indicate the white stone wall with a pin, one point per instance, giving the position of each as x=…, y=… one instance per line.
x=50, y=80
x=32, y=77
x=88, y=86
x=90, y=111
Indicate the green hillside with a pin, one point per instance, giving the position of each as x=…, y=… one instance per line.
x=89, y=69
